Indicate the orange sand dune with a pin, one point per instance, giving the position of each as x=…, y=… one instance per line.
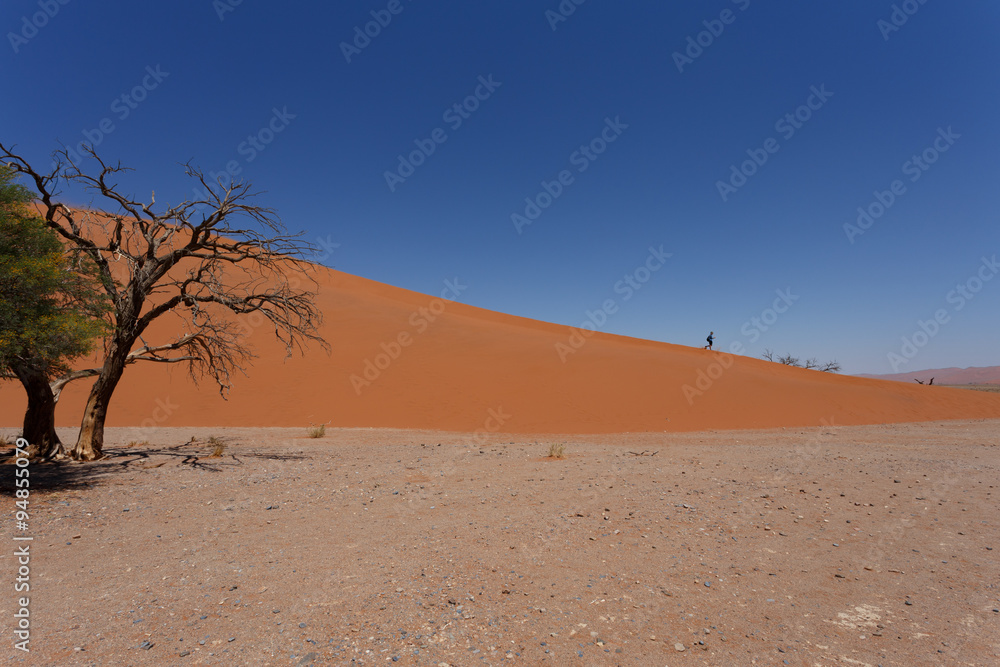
x=442, y=365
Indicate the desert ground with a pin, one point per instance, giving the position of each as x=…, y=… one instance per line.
x=833, y=545
x=978, y=387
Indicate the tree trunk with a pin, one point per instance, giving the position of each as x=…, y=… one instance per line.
x=39, y=427
x=90, y=442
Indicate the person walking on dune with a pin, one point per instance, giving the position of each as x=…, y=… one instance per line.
x=710, y=339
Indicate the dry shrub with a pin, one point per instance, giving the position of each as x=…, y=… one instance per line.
x=557, y=450
x=317, y=431
x=219, y=446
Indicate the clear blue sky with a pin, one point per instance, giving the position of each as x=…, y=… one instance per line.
x=223, y=70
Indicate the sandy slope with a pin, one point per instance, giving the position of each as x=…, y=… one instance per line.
x=406, y=360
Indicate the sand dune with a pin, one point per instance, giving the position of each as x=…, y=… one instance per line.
x=406, y=360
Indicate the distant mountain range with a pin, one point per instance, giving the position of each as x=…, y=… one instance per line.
x=987, y=375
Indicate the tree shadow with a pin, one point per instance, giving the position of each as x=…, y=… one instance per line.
x=51, y=476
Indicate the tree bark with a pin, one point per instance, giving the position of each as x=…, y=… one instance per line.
x=39, y=427
x=90, y=442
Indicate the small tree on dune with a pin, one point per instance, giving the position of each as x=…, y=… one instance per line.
x=812, y=363
x=50, y=313
x=202, y=261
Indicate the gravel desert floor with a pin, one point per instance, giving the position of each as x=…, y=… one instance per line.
x=874, y=545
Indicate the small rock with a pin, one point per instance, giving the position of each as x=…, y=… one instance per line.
x=678, y=646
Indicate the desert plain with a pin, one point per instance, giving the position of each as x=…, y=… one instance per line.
x=863, y=545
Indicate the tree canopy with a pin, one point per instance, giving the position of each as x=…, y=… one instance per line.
x=50, y=311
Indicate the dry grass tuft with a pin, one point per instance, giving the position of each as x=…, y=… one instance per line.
x=317, y=430
x=557, y=450
x=219, y=445
x=137, y=443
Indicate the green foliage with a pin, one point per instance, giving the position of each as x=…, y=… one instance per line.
x=50, y=311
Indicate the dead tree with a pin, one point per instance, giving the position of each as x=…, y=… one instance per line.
x=812, y=364
x=202, y=261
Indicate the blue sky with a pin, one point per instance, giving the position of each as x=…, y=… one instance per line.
x=621, y=101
